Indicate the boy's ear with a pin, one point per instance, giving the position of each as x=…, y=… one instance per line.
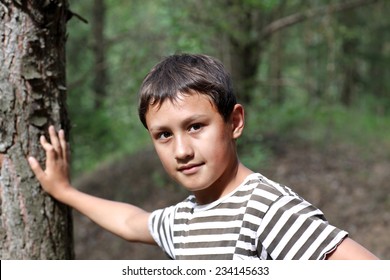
x=237, y=120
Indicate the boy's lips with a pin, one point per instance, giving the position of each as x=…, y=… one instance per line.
x=189, y=168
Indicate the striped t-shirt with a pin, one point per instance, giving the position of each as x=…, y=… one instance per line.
x=260, y=219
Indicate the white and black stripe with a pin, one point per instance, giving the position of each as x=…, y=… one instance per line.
x=259, y=220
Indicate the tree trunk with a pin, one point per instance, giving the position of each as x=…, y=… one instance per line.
x=348, y=62
x=245, y=55
x=32, y=96
x=99, y=51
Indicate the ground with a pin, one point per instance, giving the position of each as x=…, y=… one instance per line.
x=349, y=185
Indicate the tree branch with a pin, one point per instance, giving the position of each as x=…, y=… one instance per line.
x=290, y=20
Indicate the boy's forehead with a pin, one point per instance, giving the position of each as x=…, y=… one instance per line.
x=181, y=101
x=184, y=105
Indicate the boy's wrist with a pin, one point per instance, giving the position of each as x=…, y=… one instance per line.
x=63, y=193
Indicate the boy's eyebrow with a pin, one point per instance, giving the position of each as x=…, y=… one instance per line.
x=195, y=117
x=185, y=122
x=157, y=128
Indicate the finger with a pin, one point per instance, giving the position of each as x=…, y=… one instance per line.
x=63, y=143
x=36, y=168
x=54, y=140
x=51, y=154
x=46, y=145
x=67, y=152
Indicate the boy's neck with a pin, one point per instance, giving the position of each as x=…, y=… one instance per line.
x=225, y=185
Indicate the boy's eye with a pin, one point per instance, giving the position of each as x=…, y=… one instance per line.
x=195, y=127
x=164, y=135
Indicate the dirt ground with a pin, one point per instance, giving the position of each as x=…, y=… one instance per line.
x=352, y=189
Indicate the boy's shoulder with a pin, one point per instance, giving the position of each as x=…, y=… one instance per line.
x=263, y=193
x=264, y=186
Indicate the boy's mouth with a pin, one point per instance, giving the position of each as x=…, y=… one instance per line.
x=189, y=169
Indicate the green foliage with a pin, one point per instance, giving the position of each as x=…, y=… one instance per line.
x=268, y=130
x=319, y=80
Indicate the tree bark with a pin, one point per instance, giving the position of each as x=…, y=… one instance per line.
x=32, y=96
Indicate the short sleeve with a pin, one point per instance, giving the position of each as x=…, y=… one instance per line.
x=294, y=229
x=160, y=227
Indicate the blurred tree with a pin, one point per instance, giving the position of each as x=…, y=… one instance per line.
x=99, y=50
x=349, y=67
x=273, y=59
x=365, y=42
x=32, y=96
x=243, y=29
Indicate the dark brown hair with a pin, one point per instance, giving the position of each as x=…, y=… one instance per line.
x=185, y=74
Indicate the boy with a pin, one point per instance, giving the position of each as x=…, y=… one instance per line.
x=189, y=109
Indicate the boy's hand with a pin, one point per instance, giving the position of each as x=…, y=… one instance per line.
x=125, y=220
x=55, y=179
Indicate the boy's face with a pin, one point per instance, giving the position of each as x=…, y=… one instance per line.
x=195, y=145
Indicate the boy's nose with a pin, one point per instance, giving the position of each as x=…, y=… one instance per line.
x=183, y=149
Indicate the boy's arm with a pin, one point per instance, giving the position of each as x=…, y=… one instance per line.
x=124, y=220
x=351, y=250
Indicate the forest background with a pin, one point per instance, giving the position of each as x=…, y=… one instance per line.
x=314, y=79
